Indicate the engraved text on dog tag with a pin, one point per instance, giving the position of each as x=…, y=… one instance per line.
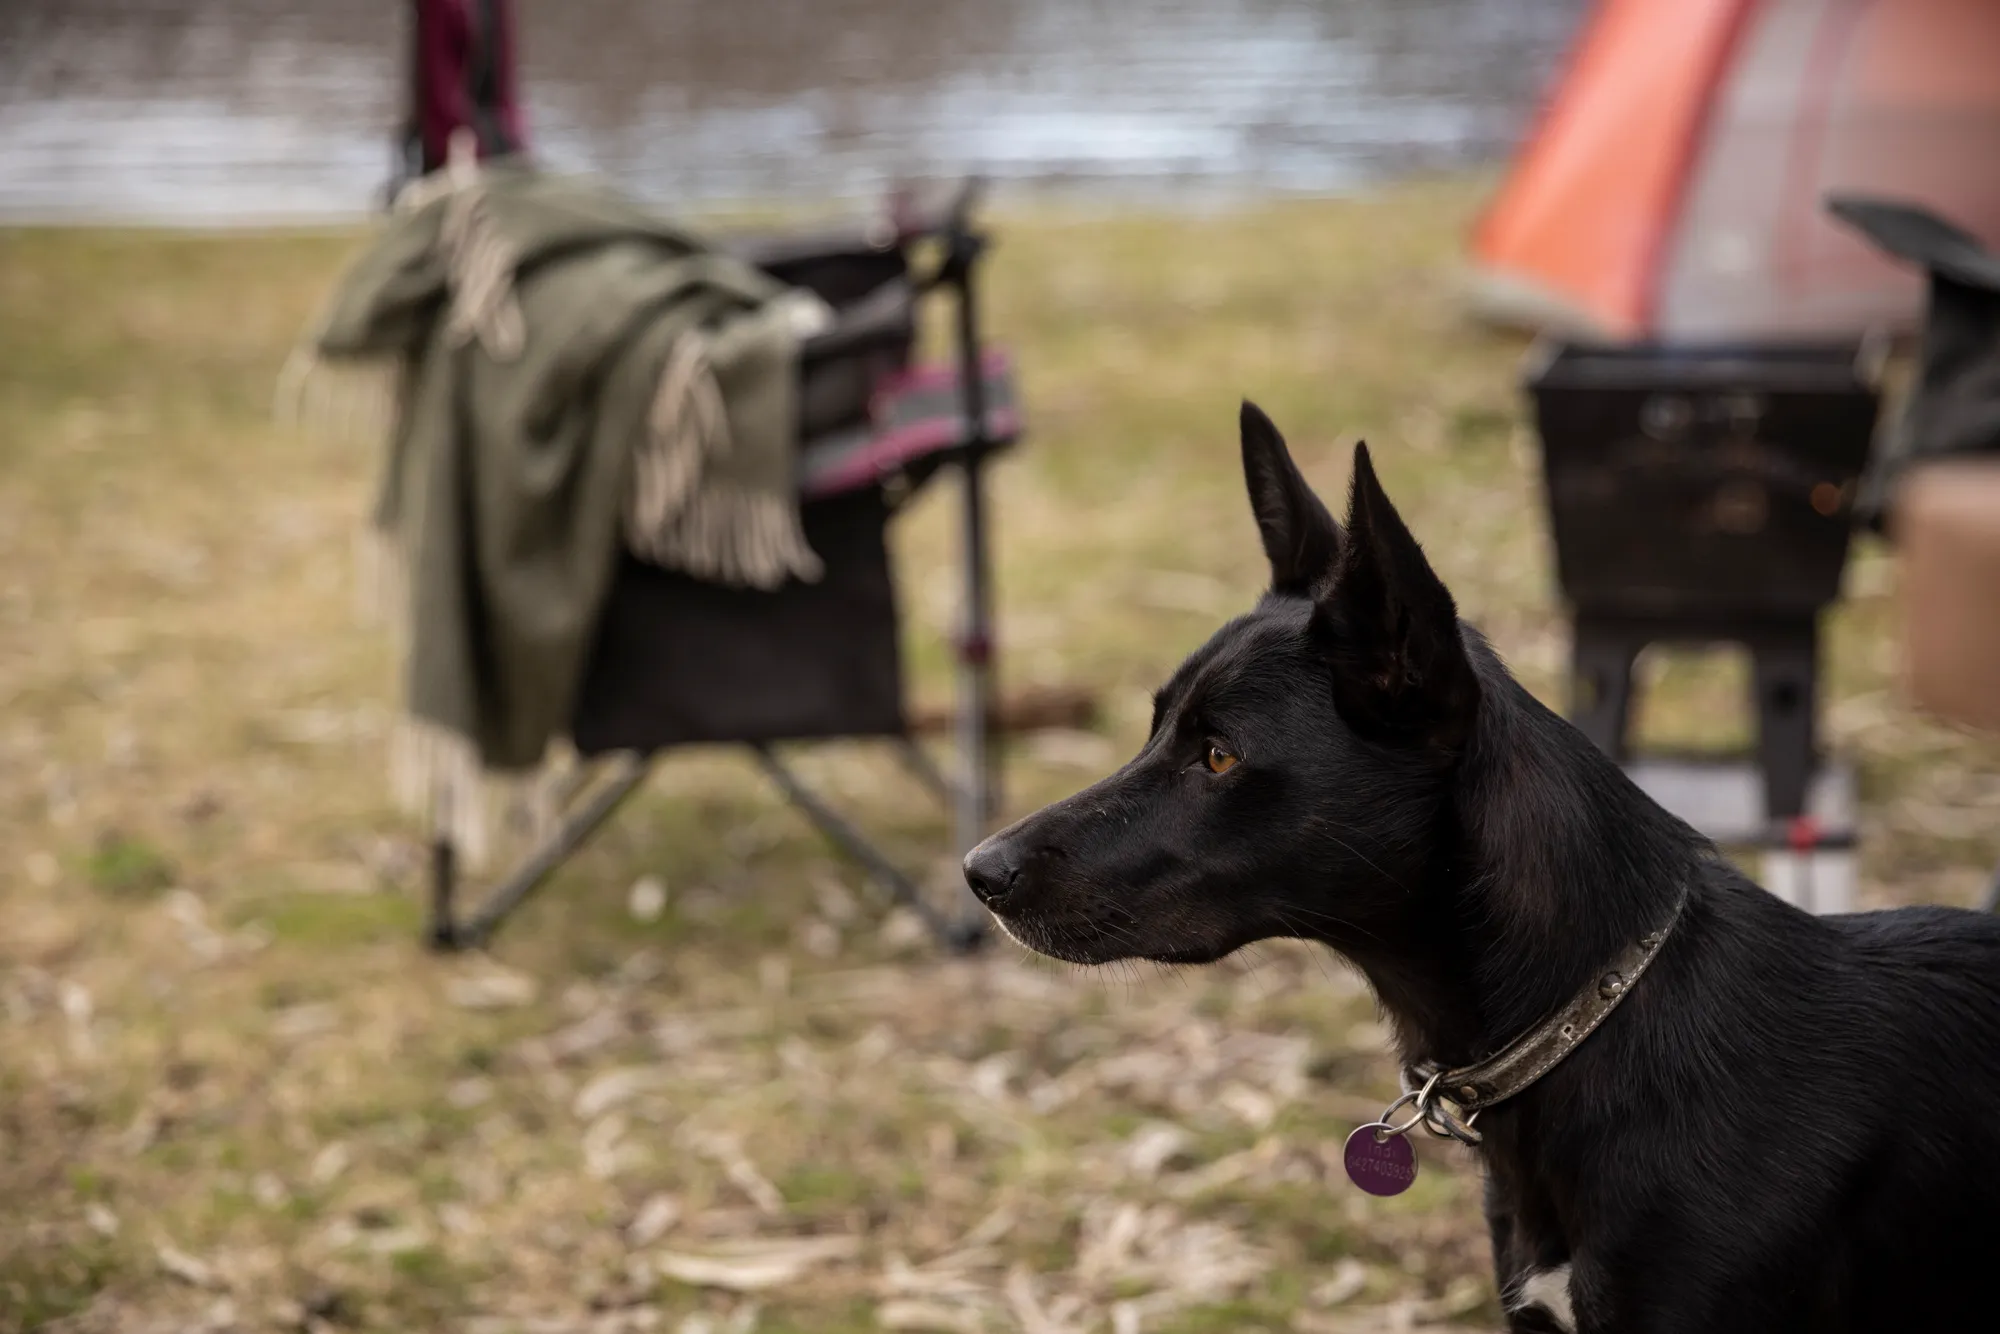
x=1381, y=1166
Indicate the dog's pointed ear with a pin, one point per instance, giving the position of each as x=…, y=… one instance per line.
x=1300, y=537
x=1400, y=667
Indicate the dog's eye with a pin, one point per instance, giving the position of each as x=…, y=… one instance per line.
x=1219, y=760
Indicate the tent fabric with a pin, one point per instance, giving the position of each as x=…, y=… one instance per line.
x=1673, y=185
x=1576, y=225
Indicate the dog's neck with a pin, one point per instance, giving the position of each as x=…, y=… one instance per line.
x=1551, y=861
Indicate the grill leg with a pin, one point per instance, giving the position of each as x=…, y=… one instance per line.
x=442, y=935
x=1601, y=686
x=1786, y=700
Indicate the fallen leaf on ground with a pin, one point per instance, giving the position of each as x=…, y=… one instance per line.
x=1152, y=1146
x=491, y=989
x=1350, y=1276
x=929, y=1316
x=613, y=1087
x=328, y=1163
x=179, y=1264
x=647, y=900
x=656, y=1217
x=1027, y=1307
x=755, y=1265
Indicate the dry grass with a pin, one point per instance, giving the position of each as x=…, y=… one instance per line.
x=234, y=1094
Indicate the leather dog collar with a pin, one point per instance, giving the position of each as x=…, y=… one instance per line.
x=1447, y=1100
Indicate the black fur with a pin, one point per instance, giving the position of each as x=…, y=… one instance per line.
x=1792, y=1124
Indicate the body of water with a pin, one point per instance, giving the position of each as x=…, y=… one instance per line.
x=213, y=111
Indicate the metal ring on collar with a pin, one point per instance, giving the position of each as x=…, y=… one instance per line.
x=1441, y=1118
x=1439, y=1113
x=1407, y=1127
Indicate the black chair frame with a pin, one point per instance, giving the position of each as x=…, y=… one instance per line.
x=598, y=787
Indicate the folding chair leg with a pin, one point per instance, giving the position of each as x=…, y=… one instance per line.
x=976, y=796
x=962, y=936
x=981, y=800
x=443, y=929
x=473, y=933
x=918, y=761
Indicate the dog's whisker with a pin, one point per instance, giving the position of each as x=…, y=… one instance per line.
x=1307, y=932
x=1346, y=845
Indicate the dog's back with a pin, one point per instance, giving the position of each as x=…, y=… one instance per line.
x=1802, y=1129
x=1923, y=1211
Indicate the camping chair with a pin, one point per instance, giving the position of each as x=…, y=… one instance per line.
x=679, y=661
x=1936, y=488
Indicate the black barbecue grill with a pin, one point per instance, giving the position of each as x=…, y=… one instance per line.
x=1701, y=495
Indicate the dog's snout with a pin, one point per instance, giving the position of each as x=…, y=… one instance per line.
x=991, y=870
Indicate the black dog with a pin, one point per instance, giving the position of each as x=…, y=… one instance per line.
x=1794, y=1122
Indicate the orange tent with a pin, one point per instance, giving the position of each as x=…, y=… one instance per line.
x=1673, y=185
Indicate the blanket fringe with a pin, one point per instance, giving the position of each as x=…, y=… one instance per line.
x=436, y=777
x=707, y=529
x=687, y=425
x=735, y=536
x=479, y=262
x=381, y=584
x=480, y=266
x=351, y=400
x=435, y=773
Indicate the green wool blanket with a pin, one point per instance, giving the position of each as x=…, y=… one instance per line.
x=572, y=374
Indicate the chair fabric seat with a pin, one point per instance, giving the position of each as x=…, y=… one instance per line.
x=679, y=661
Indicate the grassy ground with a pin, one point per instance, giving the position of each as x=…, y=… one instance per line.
x=233, y=1094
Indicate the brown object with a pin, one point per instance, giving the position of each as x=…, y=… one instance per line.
x=1947, y=527
x=1035, y=709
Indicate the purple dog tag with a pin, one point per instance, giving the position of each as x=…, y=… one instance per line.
x=1380, y=1166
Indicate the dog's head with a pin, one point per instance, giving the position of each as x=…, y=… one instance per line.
x=1297, y=767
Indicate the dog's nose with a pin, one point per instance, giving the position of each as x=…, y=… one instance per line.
x=991, y=870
